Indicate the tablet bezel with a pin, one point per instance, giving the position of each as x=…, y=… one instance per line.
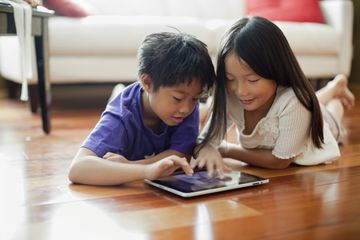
x=258, y=181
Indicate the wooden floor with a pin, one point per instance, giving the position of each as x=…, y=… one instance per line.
x=38, y=202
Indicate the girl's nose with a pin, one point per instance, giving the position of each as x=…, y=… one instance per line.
x=241, y=89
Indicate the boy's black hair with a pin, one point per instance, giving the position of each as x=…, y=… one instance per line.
x=175, y=58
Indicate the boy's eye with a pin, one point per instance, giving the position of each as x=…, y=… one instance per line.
x=253, y=80
x=177, y=99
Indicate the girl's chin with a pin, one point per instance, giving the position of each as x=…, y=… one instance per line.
x=249, y=108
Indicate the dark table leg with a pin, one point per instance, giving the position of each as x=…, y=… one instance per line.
x=41, y=46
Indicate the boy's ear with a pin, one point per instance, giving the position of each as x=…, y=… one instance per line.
x=146, y=82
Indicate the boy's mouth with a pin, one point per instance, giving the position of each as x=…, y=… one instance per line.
x=177, y=120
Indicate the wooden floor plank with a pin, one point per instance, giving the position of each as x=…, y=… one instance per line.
x=38, y=201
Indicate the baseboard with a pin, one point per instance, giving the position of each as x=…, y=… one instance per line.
x=81, y=96
x=3, y=93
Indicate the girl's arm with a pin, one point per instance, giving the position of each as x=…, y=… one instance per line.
x=87, y=168
x=257, y=157
x=210, y=157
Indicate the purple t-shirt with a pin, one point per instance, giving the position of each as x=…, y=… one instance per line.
x=121, y=130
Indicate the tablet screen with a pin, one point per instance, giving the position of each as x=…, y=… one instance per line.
x=200, y=181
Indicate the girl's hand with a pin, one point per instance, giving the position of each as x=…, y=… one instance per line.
x=115, y=157
x=210, y=157
x=166, y=166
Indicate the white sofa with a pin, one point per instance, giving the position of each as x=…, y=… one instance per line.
x=102, y=47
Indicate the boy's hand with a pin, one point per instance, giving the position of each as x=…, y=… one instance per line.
x=210, y=157
x=166, y=166
x=115, y=157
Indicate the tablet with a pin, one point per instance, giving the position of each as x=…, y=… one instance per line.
x=199, y=183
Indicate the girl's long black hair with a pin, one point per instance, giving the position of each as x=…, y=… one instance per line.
x=263, y=46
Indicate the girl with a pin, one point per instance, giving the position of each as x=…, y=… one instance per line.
x=268, y=98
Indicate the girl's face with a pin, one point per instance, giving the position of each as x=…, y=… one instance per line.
x=173, y=104
x=253, y=92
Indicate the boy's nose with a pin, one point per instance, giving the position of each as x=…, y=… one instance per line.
x=186, y=108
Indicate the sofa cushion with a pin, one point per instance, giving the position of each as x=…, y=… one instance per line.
x=311, y=38
x=203, y=9
x=118, y=35
x=286, y=10
x=129, y=8
x=304, y=38
x=70, y=8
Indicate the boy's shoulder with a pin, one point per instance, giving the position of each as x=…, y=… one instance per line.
x=126, y=103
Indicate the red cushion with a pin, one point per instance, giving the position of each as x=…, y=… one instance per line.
x=286, y=10
x=68, y=8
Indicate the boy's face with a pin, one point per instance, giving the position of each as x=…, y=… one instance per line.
x=172, y=104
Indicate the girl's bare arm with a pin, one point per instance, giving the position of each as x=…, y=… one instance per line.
x=257, y=157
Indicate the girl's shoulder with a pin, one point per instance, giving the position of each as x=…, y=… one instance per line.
x=284, y=93
x=285, y=99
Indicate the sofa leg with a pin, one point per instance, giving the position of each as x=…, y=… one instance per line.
x=12, y=89
x=33, y=97
x=318, y=83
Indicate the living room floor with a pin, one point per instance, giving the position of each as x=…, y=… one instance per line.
x=38, y=201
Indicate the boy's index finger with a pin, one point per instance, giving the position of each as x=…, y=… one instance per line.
x=184, y=164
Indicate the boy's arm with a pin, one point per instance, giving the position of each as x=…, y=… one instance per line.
x=119, y=158
x=183, y=139
x=87, y=168
x=162, y=155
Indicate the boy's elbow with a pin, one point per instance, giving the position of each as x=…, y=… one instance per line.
x=74, y=174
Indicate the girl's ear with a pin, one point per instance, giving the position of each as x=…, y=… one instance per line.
x=146, y=82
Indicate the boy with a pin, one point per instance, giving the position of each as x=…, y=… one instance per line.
x=149, y=129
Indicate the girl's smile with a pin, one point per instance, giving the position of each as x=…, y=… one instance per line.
x=247, y=101
x=254, y=92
